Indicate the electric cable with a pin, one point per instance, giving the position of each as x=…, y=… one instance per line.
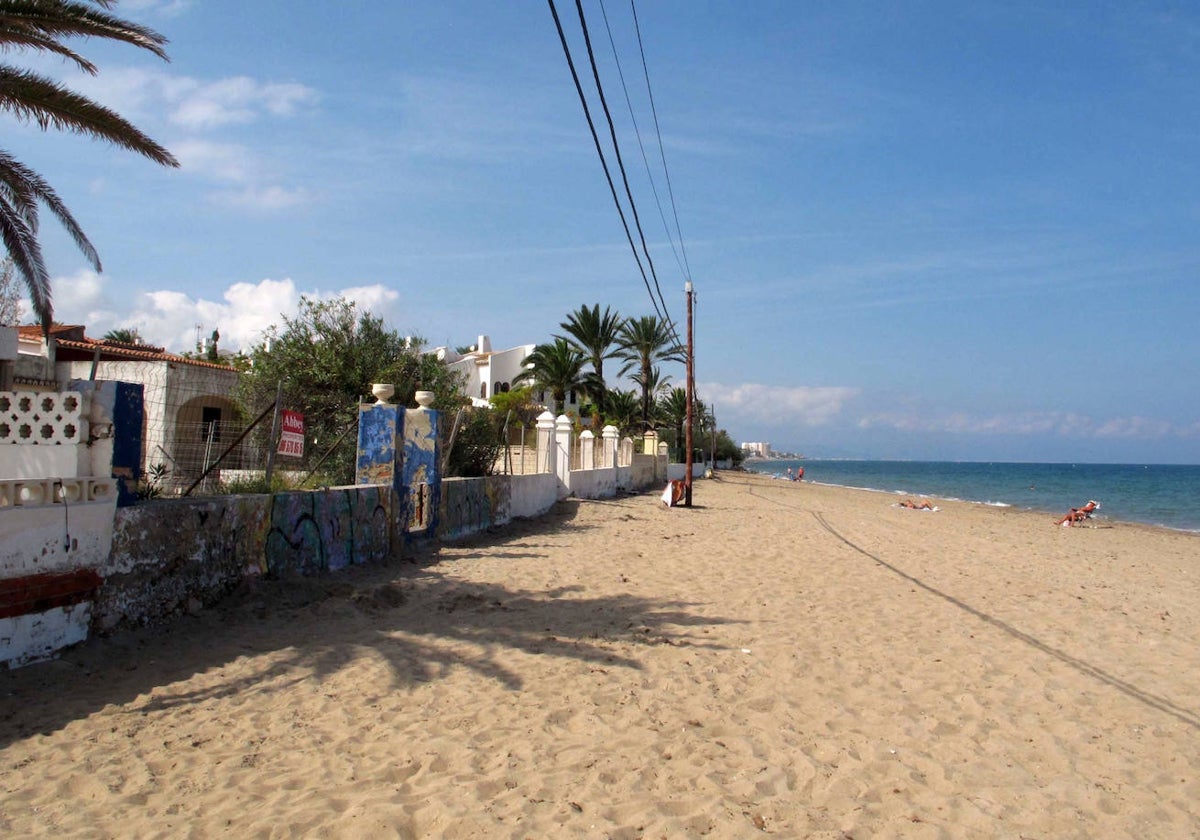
x=661, y=151
x=638, y=133
x=600, y=152
x=617, y=150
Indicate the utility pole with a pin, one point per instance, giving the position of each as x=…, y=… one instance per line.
x=691, y=398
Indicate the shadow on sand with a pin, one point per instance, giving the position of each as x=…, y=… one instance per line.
x=412, y=614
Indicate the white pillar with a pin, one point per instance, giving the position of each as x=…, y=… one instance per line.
x=562, y=450
x=587, y=450
x=545, y=442
x=610, y=434
x=650, y=443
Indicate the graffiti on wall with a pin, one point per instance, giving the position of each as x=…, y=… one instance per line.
x=169, y=554
x=328, y=530
x=472, y=505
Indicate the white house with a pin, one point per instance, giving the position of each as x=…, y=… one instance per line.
x=189, y=412
x=490, y=372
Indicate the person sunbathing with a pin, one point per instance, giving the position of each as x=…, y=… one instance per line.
x=924, y=504
x=1079, y=514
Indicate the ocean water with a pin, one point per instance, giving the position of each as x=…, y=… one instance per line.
x=1155, y=494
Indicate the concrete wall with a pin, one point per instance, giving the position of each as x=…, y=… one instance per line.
x=531, y=495
x=676, y=472
x=594, y=484
x=473, y=505
x=177, y=555
x=648, y=470
x=57, y=500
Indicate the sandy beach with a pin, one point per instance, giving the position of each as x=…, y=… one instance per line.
x=783, y=659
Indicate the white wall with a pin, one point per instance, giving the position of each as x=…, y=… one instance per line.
x=532, y=495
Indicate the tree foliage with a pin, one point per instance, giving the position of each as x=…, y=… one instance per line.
x=595, y=334
x=124, y=335
x=43, y=26
x=327, y=358
x=643, y=342
x=557, y=368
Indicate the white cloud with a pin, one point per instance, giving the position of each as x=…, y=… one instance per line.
x=223, y=161
x=1029, y=424
x=197, y=108
x=773, y=404
x=172, y=319
x=237, y=99
x=191, y=103
x=264, y=198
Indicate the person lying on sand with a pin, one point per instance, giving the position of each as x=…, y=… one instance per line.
x=924, y=504
x=1079, y=514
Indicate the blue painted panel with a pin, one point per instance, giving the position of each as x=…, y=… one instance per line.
x=379, y=430
x=128, y=413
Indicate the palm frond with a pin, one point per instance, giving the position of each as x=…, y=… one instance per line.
x=55, y=19
x=29, y=96
x=22, y=244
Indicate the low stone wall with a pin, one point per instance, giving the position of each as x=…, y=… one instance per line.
x=473, y=505
x=594, y=484
x=649, y=471
x=173, y=556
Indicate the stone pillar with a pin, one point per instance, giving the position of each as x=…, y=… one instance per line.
x=587, y=450
x=421, y=467
x=650, y=443
x=562, y=452
x=545, y=443
x=609, y=434
x=380, y=444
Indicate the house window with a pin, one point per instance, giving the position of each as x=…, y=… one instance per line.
x=572, y=398
x=504, y=387
x=483, y=390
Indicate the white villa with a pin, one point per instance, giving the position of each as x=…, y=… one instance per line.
x=490, y=372
x=189, y=412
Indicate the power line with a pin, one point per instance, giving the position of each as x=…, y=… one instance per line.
x=638, y=133
x=661, y=152
x=600, y=152
x=664, y=313
x=617, y=150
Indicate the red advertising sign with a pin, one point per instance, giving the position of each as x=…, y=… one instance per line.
x=291, y=435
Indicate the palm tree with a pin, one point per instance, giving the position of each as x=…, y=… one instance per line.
x=124, y=335
x=42, y=25
x=643, y=342
x=672, y=409
x=596, y=335
x=622, y=409
x=557, y=368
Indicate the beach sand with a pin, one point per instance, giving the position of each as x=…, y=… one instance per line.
x=786, y=659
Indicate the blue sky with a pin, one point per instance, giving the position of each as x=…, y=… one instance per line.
x=926, y=230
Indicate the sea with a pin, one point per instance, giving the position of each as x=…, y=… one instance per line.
x=1154, y=494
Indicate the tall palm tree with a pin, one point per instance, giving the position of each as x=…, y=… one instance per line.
x=623, y=410
x=42, y=25
x=643, y=342
x=672, y=409
x=557, y=368
x=596, y=335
